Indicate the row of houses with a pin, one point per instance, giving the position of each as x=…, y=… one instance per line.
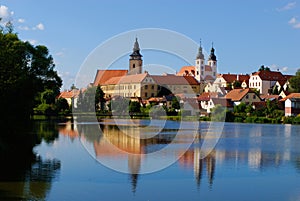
x=198, y=85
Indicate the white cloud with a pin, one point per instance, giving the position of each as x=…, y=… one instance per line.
x=32, y=41
x=5, y=14
x=21, y=20
x=24, y=28
x=275, y=67
x=294, y=23
x=40, y=27
x=288, y=6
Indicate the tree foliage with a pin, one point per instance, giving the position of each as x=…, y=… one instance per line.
x=295, y=83
x=25, y=72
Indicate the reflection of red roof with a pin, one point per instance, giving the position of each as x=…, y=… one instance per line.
x=103, y=75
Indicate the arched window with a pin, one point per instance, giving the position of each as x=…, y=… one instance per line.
x=133, y=66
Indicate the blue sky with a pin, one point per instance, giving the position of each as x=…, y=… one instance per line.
x=246, y=34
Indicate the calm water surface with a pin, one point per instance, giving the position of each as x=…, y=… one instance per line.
x=250, y=162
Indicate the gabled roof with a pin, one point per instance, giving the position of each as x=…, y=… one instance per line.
x=233, y=77
x=137, y=78
x=69, y=94
x=270, y=75
x=238, y=94
x=269, y=97
x=174, y=80
x=206, y=96
x=292, y=96
x=103, y=75
x=186, y=70
x=225, y=102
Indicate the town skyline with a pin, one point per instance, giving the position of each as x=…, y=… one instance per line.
x=246, y=35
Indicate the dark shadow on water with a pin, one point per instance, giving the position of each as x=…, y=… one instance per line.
x=23, y=174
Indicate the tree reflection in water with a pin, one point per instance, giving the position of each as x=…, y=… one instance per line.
x=23, y=174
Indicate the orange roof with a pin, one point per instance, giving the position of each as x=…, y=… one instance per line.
x=174, y=80
x=206, y=96
x=292, y=96
x=233, y=77
x=270, y=75
x=238, y=94
x=69, y=94
x=137, y=78
x=186, y=70
x=103, y=75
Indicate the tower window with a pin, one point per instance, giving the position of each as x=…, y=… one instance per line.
x=133, y=66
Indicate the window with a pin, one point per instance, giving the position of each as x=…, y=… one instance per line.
x=197, y=72
x=202, y=62
x=214, y=73
x=134, y=86
x=202, y=67
x=146, y=94
x=152, y=94
x=133, y=66
x=152, y=87
x=247, y=96
x=197, y=62
x=146, y=86
x=202, y=72
x=158, y=87
x=254, y=96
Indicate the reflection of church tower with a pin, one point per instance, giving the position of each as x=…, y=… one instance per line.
x=198, y=166
x=135, y=61
x=134, y=165
x=210, y=168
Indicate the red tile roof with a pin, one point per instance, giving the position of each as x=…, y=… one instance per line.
x=238, y=94
x=270, y=75
x=186, y=69
x=103, y=75
x=137, y=78
x=233, y=77
x=206, y=96
x=69, y=94
x=292, y=96
x=174, y=80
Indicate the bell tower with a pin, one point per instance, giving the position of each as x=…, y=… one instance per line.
x=212, y=61
x=135, y=60
x=199, y=64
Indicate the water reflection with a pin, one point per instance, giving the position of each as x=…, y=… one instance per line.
x=244, y=147
x=23, y=174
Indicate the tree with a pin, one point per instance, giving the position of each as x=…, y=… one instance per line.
x=99, y=98
x=25, y=72
x=134, y=107
x=175, y=103
x=263, y=68
x=295, y=83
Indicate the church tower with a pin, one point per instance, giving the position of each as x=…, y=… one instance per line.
x=199, y=64
x=212, y=61
x=135, y=61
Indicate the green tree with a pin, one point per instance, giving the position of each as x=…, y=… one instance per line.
x=62, y=105
x=295, y=83
x=236, y=84
x=25, y=72
x=134, y=107
x=99, y=98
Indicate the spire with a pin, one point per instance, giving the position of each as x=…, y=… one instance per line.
x=136, y=50
x=200, y=54
x=136, y=45
x=212, y=55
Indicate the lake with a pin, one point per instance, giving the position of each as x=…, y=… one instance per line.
x=156, y=160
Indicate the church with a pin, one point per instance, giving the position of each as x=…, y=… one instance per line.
x=134, y=83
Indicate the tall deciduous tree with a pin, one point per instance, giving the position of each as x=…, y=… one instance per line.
x=295, y=83
x=25, y=72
